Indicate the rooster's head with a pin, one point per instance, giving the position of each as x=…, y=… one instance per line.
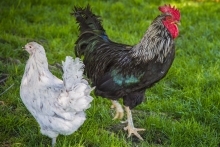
x=170, y=10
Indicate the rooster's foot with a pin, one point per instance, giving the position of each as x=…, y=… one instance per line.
x=119, y=110
x=132, y=130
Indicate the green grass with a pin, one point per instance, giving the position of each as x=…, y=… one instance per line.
x=181, y=110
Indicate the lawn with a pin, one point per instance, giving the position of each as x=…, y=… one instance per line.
x=182, y=110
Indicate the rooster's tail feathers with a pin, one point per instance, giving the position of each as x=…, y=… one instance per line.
x=87, y=20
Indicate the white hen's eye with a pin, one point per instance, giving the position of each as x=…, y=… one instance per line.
x=30, y=46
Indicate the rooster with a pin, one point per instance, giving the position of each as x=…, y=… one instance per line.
x=125, y=71
x=58, y=106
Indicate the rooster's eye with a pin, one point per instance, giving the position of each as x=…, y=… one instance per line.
x=168, y=17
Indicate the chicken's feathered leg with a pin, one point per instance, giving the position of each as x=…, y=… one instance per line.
x=131, y=129
x=53, y=141
x=119, y=110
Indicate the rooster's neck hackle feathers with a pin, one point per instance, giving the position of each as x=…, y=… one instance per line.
x=155, y=43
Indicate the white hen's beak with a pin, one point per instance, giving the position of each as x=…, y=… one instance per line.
x=26, y=47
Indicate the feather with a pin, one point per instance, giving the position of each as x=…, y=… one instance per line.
x=87, y=20
x=73, y=72
x=124, y=71
x=57, y=105
x=118, y=70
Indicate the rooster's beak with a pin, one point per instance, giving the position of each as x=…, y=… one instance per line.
x=176, y=22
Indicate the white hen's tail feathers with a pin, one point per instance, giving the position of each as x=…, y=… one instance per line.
x=77, y=88
x=73, y=72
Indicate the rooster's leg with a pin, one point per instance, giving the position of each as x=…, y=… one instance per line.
x=119, y=110
x=131, y=129
x=53, y=141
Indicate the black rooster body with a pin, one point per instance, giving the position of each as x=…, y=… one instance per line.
x=119, y=70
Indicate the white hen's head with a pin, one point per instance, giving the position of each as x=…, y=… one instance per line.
x=34, y=47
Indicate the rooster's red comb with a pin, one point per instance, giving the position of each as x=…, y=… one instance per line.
x=172, y=10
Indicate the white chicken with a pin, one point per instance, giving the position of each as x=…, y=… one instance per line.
x=58, y=106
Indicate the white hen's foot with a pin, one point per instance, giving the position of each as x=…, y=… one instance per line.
x=54, y=141
x=131, y=129
x=119, y=110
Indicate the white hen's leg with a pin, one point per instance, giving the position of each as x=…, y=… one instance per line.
x=119, y=110
x=131, y=129
x=53, y=141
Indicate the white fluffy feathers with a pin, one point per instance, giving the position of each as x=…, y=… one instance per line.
x=58, y=106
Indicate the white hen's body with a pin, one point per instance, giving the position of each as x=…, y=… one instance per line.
x=58, y=106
